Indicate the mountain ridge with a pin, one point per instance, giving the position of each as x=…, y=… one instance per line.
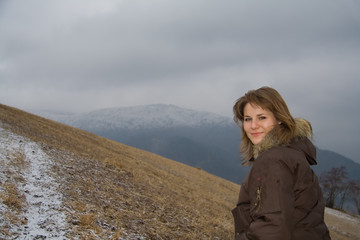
x=139, y=117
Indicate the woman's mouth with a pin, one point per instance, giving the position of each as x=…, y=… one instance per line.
x=256, y=134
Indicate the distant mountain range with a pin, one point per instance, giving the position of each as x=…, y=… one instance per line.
x=200, y=139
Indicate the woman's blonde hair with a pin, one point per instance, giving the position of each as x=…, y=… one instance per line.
x=269, y=99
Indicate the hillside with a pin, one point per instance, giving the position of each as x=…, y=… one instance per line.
x=60, y=182
x=108, y=190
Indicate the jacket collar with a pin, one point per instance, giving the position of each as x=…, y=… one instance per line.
x=301, y=141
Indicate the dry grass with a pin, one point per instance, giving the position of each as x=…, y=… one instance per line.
x=11, y=197
x=10, y=194
x=87, y=220
x=343, y=230
x=110, y=189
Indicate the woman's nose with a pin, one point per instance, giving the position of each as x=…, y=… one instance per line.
x=254, y=124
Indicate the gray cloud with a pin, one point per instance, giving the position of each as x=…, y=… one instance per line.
x=87, y=54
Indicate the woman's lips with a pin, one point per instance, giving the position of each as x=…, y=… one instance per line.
x=256, y=134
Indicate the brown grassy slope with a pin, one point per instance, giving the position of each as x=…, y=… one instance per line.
x=342, y=226
x=111, y=188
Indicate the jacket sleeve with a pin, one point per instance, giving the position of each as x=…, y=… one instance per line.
x=241, y=220
x=241, y=213
x=271, y=201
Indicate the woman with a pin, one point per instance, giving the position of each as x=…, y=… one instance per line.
x=281, y=197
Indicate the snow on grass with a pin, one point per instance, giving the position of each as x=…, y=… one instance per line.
x=342, y=215
x=43, y=203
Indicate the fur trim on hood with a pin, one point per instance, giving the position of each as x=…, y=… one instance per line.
x=303, y=130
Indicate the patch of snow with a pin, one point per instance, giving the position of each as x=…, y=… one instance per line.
x=342, y=215
x=131, y=236
x=45, y=220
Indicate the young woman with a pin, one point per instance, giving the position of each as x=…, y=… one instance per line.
x=280, y=199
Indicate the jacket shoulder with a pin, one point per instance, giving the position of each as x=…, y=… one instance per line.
x=281, y=155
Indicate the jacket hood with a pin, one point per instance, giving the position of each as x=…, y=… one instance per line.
x=301, y=141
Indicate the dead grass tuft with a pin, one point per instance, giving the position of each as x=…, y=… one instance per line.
x=18, y=160
x=87, y=220
x=113, y=163
x=12, y=198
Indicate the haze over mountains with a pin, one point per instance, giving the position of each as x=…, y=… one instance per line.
x=200, y=139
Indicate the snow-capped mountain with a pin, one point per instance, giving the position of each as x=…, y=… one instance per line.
x=140, y=118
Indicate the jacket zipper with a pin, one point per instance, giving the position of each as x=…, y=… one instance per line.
x=258, y=198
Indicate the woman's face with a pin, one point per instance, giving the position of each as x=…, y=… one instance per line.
x=257, y=122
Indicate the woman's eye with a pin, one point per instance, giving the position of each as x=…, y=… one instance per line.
x=247, y=119
x=262, y=117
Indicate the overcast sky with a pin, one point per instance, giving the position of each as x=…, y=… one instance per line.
x=82, y=55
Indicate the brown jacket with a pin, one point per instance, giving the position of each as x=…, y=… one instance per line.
x=280, y=199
